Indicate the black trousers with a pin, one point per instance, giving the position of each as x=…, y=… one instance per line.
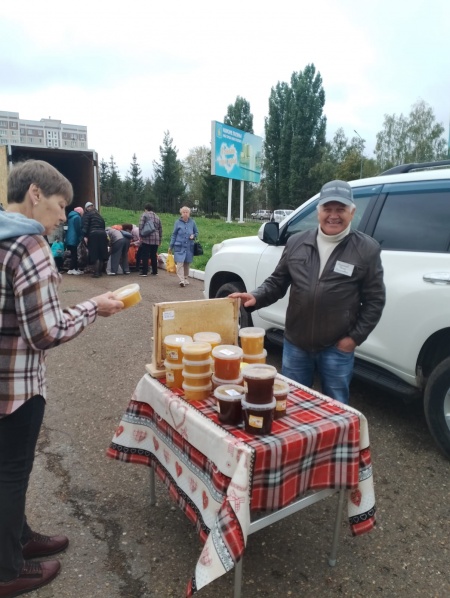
x=18, y=438
x=149, y=252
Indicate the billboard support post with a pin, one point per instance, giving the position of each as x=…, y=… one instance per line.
x=230, y=193
x=241, y=206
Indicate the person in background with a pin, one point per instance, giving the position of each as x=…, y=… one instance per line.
x=336, y=295
x=116, y=245
x=73, y=238
x=58, y=253
x=93, y=229
x=150, y=244
x=182, y=244
x=32, y=321
x=135, y=246
x=128, y=237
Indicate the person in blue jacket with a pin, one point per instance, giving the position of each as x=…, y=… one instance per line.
x=73, y=238
x=182, y=244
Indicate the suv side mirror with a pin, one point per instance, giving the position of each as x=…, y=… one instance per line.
x=270, y=233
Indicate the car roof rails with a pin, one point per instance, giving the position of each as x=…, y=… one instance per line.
x=416, y=166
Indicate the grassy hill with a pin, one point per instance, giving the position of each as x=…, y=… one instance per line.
x=211, y=231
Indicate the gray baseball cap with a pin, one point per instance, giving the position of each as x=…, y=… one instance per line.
x=336, y=191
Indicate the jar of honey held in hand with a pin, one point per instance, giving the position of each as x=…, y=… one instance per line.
x=129, y=295
x=227, y=361
x=173, y=344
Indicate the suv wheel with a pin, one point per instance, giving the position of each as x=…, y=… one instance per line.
x=437, y=405
x=245, y=319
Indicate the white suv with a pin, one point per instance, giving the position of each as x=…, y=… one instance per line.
x=280, y=215
x=407, y=210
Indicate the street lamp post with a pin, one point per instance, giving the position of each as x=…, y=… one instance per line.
x=362, y=150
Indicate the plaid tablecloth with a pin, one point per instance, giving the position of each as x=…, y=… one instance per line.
x=218, y=474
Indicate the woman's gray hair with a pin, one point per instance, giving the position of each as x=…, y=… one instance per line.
x=185, y=208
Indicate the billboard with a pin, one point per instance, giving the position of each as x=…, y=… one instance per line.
x=235, y=154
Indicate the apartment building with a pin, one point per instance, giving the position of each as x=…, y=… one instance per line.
x=47, y=132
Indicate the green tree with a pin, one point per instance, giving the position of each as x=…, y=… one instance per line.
x=295, y=137
x=239, y=115
x=416, y=138
x=104, y=175
x=214, y=191
x=197, y=162
x=168, y=185
x=134, y=187
x=112, y=186
x=275, y=167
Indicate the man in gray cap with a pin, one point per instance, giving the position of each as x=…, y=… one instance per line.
x=336, y=295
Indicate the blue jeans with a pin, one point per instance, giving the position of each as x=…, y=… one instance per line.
x=335, y=369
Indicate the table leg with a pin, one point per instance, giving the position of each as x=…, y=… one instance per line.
x=152, y=487
x=337, y=528
x=238, y=579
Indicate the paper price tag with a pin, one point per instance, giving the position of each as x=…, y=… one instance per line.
x=169, y=315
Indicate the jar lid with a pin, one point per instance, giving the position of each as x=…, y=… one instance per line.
x=196, y=348
x=259, y=356
x=259, y=371
x=229, y=392
x=280, y=387
x=227, y=352
x=208, y=337
x=196, y=388
x=219, y=381
x=252, y=332
x=172, y=366
x=196, y=376
x=176, y=340
x=208, y=361
x=126, y=291
x=259, y=406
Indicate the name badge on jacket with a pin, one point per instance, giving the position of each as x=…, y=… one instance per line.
x=343, y=268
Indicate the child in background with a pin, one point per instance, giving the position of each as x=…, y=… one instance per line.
x=57, y=248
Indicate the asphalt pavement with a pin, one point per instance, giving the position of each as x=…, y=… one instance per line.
x=121, y=547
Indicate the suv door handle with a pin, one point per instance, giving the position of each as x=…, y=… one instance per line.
x=437, y=277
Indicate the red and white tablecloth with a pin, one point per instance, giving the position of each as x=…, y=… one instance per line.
x=218, y=474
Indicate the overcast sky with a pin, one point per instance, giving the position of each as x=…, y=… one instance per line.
x=131, y=70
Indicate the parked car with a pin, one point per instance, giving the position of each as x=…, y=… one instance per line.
x=261, y=215
x=407, y=210
x=280, y=215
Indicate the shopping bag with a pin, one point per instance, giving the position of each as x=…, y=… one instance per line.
x=170, y=264
x=198, y=249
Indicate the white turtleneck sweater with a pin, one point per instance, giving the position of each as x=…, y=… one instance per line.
x=326, y=244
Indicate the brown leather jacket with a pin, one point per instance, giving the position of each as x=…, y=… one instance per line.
x=322, y=311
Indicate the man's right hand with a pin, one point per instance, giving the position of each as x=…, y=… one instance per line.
x=247, y=298
x=107, y=305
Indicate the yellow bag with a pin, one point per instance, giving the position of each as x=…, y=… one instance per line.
x=170, y=264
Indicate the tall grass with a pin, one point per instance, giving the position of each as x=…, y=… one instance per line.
x=211, y=231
